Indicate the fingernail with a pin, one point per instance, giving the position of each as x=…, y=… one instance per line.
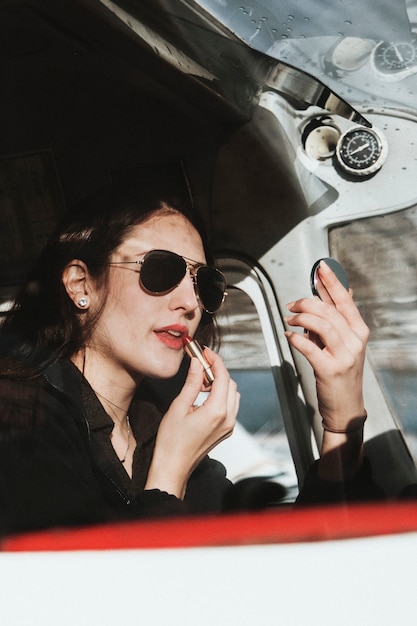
x=290, y=305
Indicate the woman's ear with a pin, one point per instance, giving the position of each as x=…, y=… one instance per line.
x=75, y=279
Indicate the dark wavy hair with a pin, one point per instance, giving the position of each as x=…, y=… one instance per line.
x=44, y=325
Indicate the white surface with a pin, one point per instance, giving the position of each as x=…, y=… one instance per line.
x=353, y=582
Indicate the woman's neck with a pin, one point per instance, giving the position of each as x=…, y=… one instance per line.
x=115, y=390
x=113, y=386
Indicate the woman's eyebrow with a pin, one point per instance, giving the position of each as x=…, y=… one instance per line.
x=193, y=261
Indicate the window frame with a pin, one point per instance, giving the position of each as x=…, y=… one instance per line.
x=251, y=279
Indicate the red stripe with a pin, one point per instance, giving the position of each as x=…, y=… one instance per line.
x=312, y=524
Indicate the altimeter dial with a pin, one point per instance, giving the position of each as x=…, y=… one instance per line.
x=394, y=61
x=361, y=151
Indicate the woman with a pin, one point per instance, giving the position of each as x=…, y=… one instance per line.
x=82, y=439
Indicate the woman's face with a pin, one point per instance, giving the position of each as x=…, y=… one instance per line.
x=138, y=333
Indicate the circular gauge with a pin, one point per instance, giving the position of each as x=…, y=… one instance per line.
x=361, y=151
x=395, y=60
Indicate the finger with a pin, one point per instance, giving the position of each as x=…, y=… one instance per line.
x=221, y=375
x=191, y=388
x=345, y=317
x=229, y=418
x=305, y=346
x=342, y=299
x=215, y=403
x=322, y=319
x=332, y=285
x=336, y=340
x=233, y=402
x=308, y=334
x=230, y=412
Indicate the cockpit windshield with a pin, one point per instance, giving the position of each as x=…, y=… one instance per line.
x=365, y=51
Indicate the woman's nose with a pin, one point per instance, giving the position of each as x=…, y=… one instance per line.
x=184, y=295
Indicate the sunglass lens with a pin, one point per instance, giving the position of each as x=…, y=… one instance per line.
x=162, y=271
x=211, y=287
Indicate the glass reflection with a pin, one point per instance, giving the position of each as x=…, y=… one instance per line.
x=380, y=257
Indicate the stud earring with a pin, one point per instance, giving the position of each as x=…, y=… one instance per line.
x=82, y=302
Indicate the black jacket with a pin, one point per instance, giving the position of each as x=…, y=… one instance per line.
x=55, y=470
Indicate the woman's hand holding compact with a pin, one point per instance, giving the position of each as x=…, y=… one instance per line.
x=337, y=358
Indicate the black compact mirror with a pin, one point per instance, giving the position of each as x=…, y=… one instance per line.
x=317, y=287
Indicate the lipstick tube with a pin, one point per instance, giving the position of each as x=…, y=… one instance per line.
x=193, y=348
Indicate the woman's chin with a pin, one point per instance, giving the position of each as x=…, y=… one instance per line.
x=165, y=370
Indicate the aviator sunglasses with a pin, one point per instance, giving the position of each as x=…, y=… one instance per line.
x=161, y=271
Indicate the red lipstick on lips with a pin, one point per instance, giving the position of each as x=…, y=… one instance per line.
x=193, y=348
x=171, y=335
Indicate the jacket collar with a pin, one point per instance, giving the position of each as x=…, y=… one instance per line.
x=66, y=378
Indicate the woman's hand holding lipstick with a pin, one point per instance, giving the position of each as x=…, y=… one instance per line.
x=187, y=432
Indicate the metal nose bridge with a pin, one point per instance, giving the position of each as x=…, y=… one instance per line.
x=191, y=271
x=192, y=268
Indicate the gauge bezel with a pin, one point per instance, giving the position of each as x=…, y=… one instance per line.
x=376, y=164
